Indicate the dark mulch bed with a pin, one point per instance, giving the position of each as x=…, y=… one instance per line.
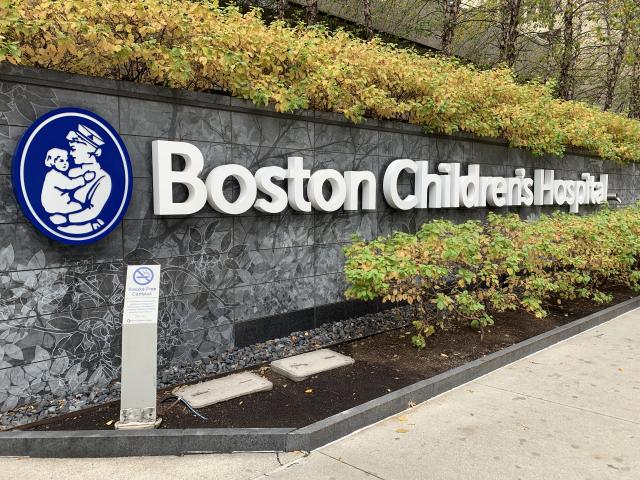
x=384, y=363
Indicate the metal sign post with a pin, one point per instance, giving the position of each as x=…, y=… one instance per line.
x=139, y=348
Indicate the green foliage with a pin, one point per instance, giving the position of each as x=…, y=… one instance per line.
x=464, y=274
x=198, y=45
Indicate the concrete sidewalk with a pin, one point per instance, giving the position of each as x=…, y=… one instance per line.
x=569, y=412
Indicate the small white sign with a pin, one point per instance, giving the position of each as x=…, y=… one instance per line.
x=142, y=294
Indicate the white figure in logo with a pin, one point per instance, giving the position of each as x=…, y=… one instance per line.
x=60, y=183
x=92, y=196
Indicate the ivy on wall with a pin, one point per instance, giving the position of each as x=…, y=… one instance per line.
x=198, y=45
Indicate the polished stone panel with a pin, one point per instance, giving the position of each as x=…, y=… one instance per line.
x=267, y=299
x=337, y=138
x=273, y=231
x=262, y=266
x=167, y=237
x=250, y=129
x=178, y=122
x=44, y=291
x=9, y=137
x=58, y=377
x=340, y=227
x=76, y=332
x=8, y=203
x=22, y=247
x=22, y=104
x=329, y=258
x=189, y=346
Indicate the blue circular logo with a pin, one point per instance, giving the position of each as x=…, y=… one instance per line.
x=72, y=176
x=143, y=276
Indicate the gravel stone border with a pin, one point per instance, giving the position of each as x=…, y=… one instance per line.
x=328, y=334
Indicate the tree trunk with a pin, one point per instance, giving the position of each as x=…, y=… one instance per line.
x=281, y=8
x=510, y=22
x=312, y=11
x=451, y=12
x=634, y=95
x=613, y=73
x=567, y=63
x=366, y=12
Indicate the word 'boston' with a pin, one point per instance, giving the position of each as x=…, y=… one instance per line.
x=448, y=189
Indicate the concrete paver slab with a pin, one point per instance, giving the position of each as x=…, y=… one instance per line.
x=190, y=467
x=483, y=433
x=597, y=371
x=319, y=467
x=221, y=389
x=301, y=367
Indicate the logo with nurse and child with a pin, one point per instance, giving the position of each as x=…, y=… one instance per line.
x=72, y=176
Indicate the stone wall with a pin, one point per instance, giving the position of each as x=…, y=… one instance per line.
x=225, y=280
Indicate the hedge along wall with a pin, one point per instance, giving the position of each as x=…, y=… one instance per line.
x=226, y=281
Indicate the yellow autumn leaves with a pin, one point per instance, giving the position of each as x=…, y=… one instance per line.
x=464, y=274
x=199, y=46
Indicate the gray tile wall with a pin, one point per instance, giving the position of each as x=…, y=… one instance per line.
x=60, y=306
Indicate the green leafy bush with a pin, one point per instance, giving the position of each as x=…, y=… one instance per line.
x=464, y=274
x=197, y=45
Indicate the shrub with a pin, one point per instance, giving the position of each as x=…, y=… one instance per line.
x=464, y=274
x=198, y=45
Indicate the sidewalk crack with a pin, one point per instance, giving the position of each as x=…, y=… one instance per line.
x=586, y=410
x=352, y=466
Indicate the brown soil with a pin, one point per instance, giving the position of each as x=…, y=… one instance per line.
x=383, y=363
